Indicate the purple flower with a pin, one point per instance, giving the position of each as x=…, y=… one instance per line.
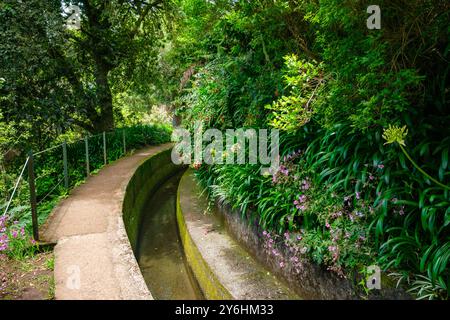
x=14, y=234
x=274, y=178
x=299, y=238
x=264, y=233
x=305, y=185
x=284, y=170
x=281, y=264
x=358, y=195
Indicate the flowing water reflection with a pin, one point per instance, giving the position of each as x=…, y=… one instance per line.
x=160, y=254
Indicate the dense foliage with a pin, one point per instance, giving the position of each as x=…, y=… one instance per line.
x=54, y=79
x=363, y=114
x=314, y=70
x=15, y=227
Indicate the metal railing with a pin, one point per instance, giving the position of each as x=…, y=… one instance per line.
x=30, y=165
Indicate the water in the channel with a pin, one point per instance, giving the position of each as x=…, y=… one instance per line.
x=160, y=253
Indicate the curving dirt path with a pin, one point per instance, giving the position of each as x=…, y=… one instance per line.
x=93, y=257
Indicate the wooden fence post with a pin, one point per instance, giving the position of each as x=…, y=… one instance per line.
x=66, y=171
x=104, y=147
x=124, y=143
x=33, y=201
x=86, y=145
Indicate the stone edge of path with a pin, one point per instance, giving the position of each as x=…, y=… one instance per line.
x=94, y=259
x=223, y=269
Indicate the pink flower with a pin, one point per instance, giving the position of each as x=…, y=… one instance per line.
x=281, y=264
x=358, y=195
x=14, y=234
x=305, y=185
x=327, y=225
x=381, y=166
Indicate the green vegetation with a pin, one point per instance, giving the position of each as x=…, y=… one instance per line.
x=15, y=227
x=363, y=113
x=313, y=70
x=61, y=84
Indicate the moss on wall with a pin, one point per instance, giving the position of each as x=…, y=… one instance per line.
x=149, y=176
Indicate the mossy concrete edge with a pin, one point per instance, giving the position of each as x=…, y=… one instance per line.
x=149, y=175
x=209, y=284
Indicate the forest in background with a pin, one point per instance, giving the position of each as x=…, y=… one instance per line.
x=363, y=113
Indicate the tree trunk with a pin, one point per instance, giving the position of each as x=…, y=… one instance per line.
x=105, y=119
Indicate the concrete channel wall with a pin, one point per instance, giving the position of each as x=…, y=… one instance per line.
x=222, y=267
x=94, y=259
x=313, y=281
x=214, y=269
x=147, y=178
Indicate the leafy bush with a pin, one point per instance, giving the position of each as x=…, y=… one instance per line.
x=315, y=71
x=50, y=175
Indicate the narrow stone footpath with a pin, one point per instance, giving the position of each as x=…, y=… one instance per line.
x=93, y=257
